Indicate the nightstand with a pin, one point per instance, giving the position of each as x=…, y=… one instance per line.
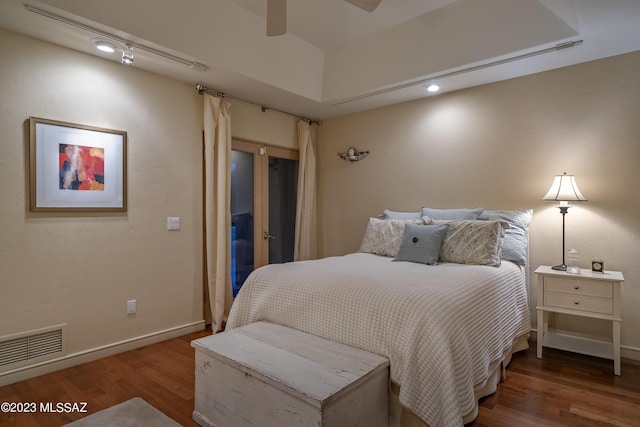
x=588, y=294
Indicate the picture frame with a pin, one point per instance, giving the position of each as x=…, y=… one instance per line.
x=76, y=168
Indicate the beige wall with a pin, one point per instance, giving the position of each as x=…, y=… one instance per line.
x=496, y=146
x=81, y=269
x=499, y=146
x=250, y=123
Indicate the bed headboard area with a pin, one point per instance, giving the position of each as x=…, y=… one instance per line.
x=474, y=235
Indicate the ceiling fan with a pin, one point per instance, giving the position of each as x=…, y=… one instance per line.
x=277, y=13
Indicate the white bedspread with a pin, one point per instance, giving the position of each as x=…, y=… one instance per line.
x=440, y=326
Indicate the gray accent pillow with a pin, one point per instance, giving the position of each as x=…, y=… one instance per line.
x=421, y=243
x=516, y=237
x=452, y=214
x=473, y=242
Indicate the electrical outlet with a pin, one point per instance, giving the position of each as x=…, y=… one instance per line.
x=173, y=223
x=132, y=306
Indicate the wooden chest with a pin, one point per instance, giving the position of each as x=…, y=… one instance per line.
x=265, y=374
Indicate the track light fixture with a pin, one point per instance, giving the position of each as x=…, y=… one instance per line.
x=105, y=46
x=127, y=55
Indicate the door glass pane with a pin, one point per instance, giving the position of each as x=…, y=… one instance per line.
x=242, y=214
x=283, y=184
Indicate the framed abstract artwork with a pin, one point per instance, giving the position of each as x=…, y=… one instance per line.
x=76, y=168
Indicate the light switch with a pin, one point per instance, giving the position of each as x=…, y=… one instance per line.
x=173, y=223
x=132, y=306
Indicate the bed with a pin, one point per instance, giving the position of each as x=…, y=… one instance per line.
x=448, y=328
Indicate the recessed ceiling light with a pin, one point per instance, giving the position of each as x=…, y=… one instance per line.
x=433, y=87
x=105, y=46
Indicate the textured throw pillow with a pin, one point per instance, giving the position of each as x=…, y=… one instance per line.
x=452, y=214
x=383, y=237
x=421, y=243
x=473, y=242
x=410, y=216
x=516, y=237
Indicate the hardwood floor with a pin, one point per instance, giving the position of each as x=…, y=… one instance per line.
x=563, y=389
x=162, y=374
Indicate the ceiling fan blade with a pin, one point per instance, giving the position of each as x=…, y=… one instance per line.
x=276, y=17
x=368, y=5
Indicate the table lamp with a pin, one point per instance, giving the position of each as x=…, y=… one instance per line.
x=564, y=190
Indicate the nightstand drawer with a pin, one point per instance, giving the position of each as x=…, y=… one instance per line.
x=579, y=302
x=578, y=287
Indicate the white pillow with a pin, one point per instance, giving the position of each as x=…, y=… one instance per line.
x=516, y=238
x=452, y=214
x=473, y=242
x=383, y=236
x=413, y=216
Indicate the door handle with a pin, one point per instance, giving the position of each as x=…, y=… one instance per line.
x=268, y=236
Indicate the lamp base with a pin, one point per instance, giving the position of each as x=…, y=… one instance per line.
x=561, y=267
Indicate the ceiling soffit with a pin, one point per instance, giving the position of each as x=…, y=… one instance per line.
x=220, y=34
x=465, y=32
x=224, y=34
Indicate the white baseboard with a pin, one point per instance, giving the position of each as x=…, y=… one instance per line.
x=89, y=355
x=630, y=353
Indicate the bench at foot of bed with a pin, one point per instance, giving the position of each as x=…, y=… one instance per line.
x=264, y=374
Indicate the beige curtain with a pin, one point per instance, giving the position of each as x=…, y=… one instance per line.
x=217, y=143
x=306, y=194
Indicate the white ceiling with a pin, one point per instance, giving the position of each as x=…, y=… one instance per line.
x=335, y=58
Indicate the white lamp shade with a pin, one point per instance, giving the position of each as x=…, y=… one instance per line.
x=565, y=189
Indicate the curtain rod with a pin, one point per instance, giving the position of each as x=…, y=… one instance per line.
x=203, y=89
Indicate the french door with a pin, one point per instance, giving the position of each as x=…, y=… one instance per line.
x=264, y=181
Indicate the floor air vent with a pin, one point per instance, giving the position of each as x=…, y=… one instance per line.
x=32, y=347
